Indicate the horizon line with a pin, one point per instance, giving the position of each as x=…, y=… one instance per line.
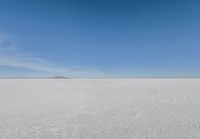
x=63, y=77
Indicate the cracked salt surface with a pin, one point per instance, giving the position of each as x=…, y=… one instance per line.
x=100, y=109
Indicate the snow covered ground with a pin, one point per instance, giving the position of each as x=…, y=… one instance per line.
x=100, y=109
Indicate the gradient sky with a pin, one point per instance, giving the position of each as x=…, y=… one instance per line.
x=89, y=38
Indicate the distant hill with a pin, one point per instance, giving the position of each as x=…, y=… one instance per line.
x=59, y=77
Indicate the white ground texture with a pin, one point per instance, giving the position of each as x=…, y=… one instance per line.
x=100, y=109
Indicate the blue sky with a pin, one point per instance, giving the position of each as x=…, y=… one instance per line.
x=100, y=38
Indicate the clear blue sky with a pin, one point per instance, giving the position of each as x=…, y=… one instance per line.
x=86, y=38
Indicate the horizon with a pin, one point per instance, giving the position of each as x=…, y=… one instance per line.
x=100, y=38
x=65, y=77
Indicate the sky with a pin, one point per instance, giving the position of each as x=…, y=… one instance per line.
x=100, y=38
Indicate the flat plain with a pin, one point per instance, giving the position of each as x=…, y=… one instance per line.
x=99, y=108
